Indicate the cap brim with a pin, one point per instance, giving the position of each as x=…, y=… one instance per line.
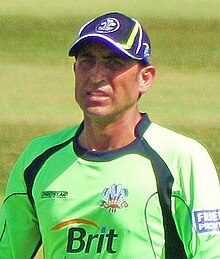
x=101, y=38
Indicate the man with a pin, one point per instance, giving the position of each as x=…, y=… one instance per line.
x=118, y=185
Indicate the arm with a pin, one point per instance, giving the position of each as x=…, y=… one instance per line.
x=19, y=230
x=197, y=213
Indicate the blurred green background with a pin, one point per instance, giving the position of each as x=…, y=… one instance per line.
x=36, y=80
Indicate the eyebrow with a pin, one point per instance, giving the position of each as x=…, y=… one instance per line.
x=84, y=54
x=107, y=57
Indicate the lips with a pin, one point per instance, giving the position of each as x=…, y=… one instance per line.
x=98, y=93
x=97, y=96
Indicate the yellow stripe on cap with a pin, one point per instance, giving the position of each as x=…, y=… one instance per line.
x=131, y=38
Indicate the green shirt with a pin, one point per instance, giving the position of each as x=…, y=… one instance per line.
x=157, y=197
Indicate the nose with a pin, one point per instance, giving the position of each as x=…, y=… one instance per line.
x=98, y=73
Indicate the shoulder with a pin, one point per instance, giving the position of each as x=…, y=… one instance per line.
x=36, y=147
x=54, y=139
x=167, y=142
x=185, y=157
x=40, y=144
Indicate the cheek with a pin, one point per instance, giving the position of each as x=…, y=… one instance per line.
x=127, y=85
x=80, y=74
x=79, y=78
x=80, y=82
x=78, y=89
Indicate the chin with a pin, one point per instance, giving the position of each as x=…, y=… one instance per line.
x=98, y=114
x=96, y=111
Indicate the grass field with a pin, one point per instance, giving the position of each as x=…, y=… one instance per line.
x=36, y=81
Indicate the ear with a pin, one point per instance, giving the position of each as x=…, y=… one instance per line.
x=147, y=77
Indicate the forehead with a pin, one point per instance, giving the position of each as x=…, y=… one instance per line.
x=96, y=48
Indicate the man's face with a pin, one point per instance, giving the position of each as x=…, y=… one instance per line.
x=106, y=83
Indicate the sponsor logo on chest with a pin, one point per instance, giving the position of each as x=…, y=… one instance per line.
x=80, y=240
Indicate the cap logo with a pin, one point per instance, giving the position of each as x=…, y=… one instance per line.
x=146, y=50
x=108, y=25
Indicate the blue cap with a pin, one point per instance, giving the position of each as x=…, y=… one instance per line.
x=118, y=31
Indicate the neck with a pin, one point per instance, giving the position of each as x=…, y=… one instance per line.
x=101, y=135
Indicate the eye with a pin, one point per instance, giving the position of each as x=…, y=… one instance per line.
x=86, y=63
x=115, y=64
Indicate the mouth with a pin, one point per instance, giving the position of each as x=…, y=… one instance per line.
x=97, y=93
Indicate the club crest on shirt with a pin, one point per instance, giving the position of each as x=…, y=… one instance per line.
x=113, y=198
